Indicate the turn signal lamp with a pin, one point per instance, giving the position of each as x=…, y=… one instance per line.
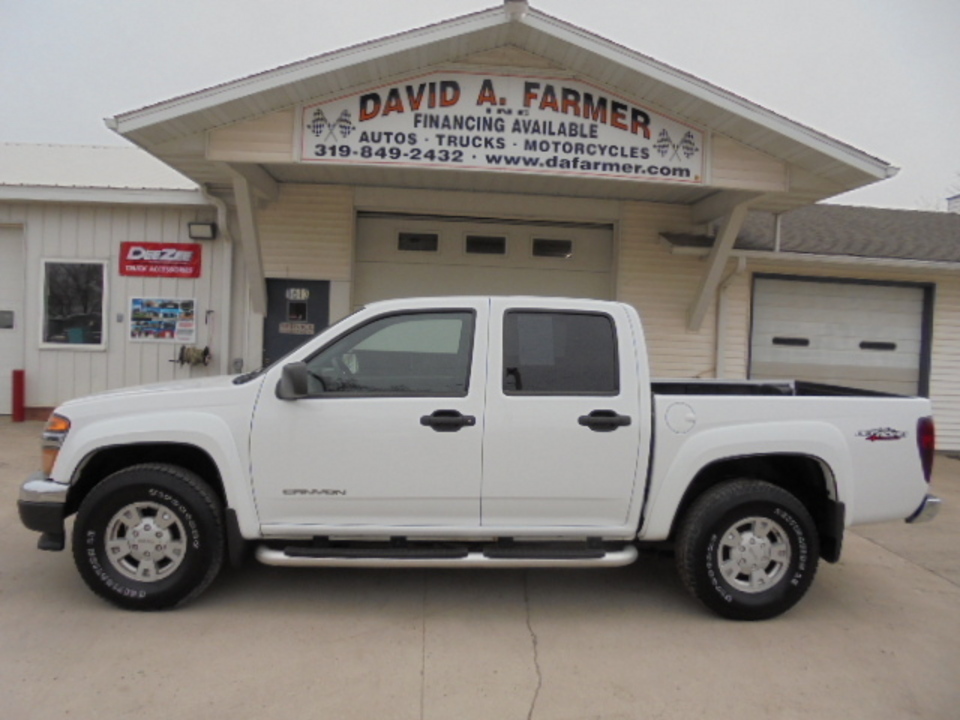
x=54, y=434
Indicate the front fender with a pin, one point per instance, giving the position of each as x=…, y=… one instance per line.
x=679, y=458
x=203, y=430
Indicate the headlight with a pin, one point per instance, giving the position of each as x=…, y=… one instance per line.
x=53, y=436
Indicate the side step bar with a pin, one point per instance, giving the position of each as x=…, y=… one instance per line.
x=451, y=556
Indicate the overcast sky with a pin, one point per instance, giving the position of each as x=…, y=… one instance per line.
x=881, y=75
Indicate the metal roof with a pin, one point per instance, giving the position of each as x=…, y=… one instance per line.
x=843, y=231
x=173, y=130
x=89, y=173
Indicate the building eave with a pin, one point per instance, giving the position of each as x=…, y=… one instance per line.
x=103, y=196
x=791, y=257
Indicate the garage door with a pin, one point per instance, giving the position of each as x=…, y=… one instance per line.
x=405, y=256
x=11, y=311
x=846, y=333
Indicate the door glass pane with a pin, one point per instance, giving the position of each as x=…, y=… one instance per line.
x=560, y=354
x=412, y=354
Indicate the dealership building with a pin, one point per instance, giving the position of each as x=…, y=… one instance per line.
x=502, y=152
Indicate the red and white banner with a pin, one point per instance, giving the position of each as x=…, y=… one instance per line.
x=147, y=259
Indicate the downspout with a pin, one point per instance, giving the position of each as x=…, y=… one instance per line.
x=720, y=364
x=776, y=232
x=223, y=222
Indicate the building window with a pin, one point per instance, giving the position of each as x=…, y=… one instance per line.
x=418, y=242
x=543, y=247
x=73, y=303
x=551, y=353
x=486, y=245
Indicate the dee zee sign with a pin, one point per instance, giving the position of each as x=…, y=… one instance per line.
x=147, y=259
x=503, y=122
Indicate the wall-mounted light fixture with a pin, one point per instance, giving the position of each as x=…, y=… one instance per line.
x=202, y=230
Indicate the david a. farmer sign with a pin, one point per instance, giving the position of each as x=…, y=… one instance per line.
x=503, y=123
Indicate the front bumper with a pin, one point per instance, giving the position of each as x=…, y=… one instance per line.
x=42, y=507
x=927, y=511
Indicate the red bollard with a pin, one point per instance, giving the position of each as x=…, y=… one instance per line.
x=19, y=396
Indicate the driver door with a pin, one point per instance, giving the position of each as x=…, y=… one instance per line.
x=391, y=432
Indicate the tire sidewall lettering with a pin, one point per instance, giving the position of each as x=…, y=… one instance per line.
x=798, y=562
x=175, y=491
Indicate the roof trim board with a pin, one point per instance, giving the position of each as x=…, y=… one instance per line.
x=105, y=196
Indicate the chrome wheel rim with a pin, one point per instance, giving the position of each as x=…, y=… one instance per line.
x=145, y=541
x=754, y=554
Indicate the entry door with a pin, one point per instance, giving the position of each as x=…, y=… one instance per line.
x=563, y=419
x=11, y=312
x=391, y=433
x=296, y=311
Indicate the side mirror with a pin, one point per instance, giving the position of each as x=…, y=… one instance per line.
x=293, y=382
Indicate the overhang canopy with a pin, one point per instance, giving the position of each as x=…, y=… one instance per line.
x=184, y=132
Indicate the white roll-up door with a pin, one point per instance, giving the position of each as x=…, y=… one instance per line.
x=843, y=333
x=406, y=256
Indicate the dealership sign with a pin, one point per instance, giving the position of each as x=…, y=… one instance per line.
x=503, y=122
x=148, y=259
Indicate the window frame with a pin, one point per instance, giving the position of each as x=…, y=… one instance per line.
x=45, y=344
x=471, y=344
x=566, y=393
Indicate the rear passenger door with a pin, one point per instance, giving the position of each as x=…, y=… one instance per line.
x=561, y=442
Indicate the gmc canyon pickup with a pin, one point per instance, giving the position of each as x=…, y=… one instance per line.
x=475, y=432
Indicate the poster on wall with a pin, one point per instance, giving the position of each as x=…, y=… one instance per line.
x=512, y=123
x=163, y=319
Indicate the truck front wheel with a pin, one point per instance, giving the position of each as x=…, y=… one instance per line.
x=748, y=550
x=149, y=537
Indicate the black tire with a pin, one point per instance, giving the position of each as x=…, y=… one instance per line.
x=149, y=537
x=748, y=550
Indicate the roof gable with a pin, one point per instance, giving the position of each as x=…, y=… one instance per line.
x=510, y=36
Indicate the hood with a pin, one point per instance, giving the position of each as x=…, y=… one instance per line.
x=186, y=394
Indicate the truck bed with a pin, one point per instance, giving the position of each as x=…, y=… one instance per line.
x=798, y=388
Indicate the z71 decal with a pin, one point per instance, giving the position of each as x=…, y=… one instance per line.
x=881, y=434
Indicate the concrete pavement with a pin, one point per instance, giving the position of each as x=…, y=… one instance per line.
x=878, y=636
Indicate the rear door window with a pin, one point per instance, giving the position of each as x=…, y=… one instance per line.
x=560, y=353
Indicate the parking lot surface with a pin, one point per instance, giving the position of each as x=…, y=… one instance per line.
x=878, y=636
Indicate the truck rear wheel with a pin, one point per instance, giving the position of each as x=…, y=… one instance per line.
x=149, y=537
x=748, y=550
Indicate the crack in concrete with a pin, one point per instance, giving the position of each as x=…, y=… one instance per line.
x=423, y=645
x=534, y=642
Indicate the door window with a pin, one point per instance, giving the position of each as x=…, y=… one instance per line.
x=410, y=354
x=550, y=353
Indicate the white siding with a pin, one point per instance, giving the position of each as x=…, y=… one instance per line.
x=736, y=166
x=308, y=233
x=945, y=370
x=94, y=232
x=662, y=286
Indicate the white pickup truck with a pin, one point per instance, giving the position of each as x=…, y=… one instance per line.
x=476, y=432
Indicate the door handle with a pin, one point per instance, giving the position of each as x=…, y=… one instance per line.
x=447, y=420
x=604, y=420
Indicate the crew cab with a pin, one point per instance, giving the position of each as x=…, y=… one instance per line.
x=476, y=432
